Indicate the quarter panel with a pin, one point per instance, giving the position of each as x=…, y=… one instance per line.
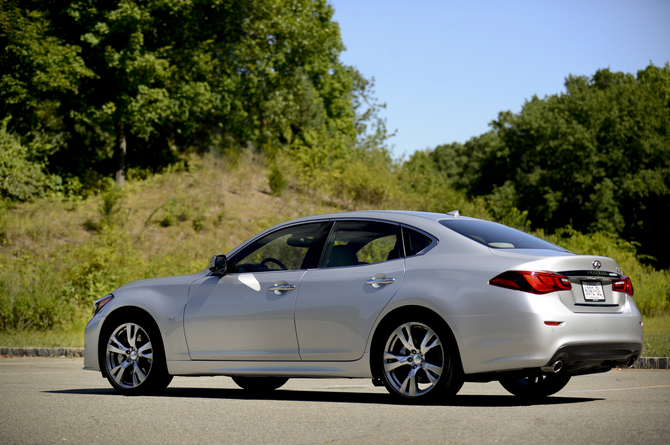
x=502, y=329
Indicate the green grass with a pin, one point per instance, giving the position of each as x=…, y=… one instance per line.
x=656, y=336
x=70, y=337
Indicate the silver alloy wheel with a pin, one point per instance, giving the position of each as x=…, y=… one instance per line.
x=413, y=359
x=129, y=355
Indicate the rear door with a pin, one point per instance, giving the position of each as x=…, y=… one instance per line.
x=361, y=268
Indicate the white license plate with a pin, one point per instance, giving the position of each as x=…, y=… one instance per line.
x=593, y=291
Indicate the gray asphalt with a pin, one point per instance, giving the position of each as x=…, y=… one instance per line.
x=52, y=400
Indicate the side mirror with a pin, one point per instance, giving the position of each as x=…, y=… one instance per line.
x=219, y=265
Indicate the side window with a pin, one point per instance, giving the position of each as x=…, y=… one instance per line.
x=284, y=249
x=351, y=243
x=415, y=242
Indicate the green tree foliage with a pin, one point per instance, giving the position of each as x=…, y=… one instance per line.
x=37, y=69
x=596, y=158
x=22, y=174
x=123, y=83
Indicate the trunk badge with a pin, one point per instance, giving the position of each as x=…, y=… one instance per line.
x=596, y=264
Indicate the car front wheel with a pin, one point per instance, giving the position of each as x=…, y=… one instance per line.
x=537, y=386
x=132, y=357
x=417, y=361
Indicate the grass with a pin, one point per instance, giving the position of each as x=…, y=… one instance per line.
x=656, y=336
x=70, y=337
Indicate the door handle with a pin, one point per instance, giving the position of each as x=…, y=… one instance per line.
x=377, y=282
x=280, y=287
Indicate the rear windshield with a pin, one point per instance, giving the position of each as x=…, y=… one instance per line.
x=496, y=235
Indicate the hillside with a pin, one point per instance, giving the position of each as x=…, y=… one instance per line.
x=58, y=255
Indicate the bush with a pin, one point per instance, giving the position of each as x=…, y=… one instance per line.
x=22, y=177
x=277, y=182
x=34, y=297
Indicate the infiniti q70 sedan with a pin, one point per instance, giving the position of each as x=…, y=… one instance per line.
x=417, y=302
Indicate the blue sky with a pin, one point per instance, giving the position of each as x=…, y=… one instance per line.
x=446, y=68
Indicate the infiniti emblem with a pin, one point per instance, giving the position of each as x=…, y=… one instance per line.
x=596, y=264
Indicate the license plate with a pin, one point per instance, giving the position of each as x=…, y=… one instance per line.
x=593, y=291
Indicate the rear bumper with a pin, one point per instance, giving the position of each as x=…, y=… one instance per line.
x=587, y=358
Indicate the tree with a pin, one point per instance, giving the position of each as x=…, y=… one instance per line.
x=137, y=79
x=596, y=158
x=37, y=71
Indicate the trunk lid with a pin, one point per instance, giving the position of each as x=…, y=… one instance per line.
x=591, y=277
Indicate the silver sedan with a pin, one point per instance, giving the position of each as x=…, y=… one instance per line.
x=417, y=302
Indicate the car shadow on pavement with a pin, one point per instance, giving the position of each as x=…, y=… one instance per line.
x=338, y=397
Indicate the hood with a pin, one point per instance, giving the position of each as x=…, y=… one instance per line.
x=155, y=283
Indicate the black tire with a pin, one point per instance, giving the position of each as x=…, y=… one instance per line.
x=132, y=357
x=417, y=360
x=259, y=384
x=536, y=387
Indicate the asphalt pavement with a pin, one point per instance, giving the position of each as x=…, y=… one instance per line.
x=52, y=400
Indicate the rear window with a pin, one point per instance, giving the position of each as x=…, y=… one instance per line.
x=496, y=235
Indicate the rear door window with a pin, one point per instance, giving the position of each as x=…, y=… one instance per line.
x=352, y=243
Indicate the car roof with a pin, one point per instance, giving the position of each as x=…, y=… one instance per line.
x=401, y=216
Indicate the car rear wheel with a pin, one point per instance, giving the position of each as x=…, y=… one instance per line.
x=535, y=387
x=260, y=384
x=416, y=362
x=132, y=357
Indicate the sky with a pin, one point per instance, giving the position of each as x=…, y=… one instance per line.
x=445, y=69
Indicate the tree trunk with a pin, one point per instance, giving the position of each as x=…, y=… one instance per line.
x=120, y=156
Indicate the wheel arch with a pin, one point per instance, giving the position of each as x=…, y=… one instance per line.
x=403, y=312
x=119, y=314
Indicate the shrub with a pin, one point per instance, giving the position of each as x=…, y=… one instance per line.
x=277, y=181
x=22, y=177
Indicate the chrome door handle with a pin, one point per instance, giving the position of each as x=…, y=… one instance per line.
x=281, y=287
x=376, y=282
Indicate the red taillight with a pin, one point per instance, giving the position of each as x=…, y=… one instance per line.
x=623, y=284
x=533, y=282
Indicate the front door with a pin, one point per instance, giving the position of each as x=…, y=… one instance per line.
x=248, y=313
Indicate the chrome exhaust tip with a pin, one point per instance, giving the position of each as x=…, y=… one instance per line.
x=630, y=362
x=553, y=368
